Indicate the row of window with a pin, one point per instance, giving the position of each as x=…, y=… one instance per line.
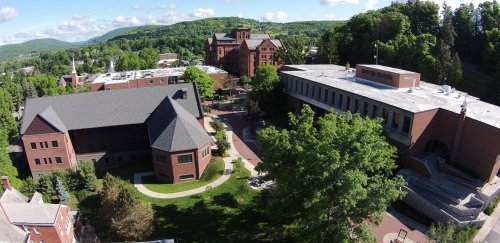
x=44, y=145
x=345, y=102
x=48, y=161
x=181, y=159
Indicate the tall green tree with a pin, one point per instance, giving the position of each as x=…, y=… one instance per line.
x=6, y=166
x=7, y=122
x=265, y=85
x=327, y=50
x=205, y=83
x=130, y=218
x=293, y=51
x=331, y=176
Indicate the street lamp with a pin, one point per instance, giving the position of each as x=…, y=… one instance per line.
x=376, y=54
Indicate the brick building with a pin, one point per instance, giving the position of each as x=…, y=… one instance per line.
x=449, y=138
x=163, y=124
x=240, y=51
x=25, y=219
x=152, y=77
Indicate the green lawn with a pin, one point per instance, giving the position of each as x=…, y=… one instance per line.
x=217, y=165
x=231, y=212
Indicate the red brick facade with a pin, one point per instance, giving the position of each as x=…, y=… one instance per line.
x=232, y=52
x=181, y=166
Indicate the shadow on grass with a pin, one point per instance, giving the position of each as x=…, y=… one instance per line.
x=220, y=220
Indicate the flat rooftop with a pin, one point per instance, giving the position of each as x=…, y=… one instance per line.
x=388, y=69
x=423, y=98
x=125, y=76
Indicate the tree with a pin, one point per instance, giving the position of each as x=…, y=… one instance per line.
x=331, y=175
x=293, y=51
x=244, y=81
x=45, y=186
x=205, y=83
x=221, y=142
x=86, y=173
x=150, y=57
x=265, y=85
x=7, y=122
x=449, y=233
x=6, y=166
x=327, y=51
x=129, y=217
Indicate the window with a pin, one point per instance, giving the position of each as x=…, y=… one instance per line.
x=348, y=103
x=205, y=152
x=162, y=80
x=37, y=161
x=151, y=81
x=50, y=160
x=325, y=97
x=296, y=85
x=319, y=93
x=333, y=99
x=33, y=145
x=55, y=144
x=188, y=158
x=365, y=108
x=301, y=87
x=356, y=105
x=46, y=144
x=374, y=111
x=395, y=120
x=313, y=91
x=364, y=71
x=406, y=124
x=45, y=160
x=41, y=144
x=385, y=114
x=161, y=157
x=307, y=89
x=68, y=225
x=341, y=100
x=186, y=177
x=58, y=160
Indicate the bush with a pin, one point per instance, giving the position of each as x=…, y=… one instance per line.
x=222, y=144
x=210, y=172
x=492, y=205
x=83, y=194
x=449, y=233
x=217, y=125
x=207, y=109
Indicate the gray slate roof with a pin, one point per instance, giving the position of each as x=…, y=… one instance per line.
x=13, y=196
x=260, y=36
x=172, y=128
x=224, y=36
x=108, y=108
x=253, y=44
x=32, y=213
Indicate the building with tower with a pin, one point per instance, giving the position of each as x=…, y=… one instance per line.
x=73, y=78
x=240, y=51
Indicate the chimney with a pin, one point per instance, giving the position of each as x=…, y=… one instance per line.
x=6, y=183
x=184, y=93
x=347, y=66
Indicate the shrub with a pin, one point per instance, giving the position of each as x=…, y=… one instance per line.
x=217, y=125
x=222, y=144
x=492, y=205
x=62, y=194
x=210, y=172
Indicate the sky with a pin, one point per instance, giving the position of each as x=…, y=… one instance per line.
x=79, y=20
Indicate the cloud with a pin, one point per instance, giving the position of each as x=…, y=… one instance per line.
x=336, y=2
x=202, y=13
x=275, y=16
x=370, y=4
x=139, y=6
x=7, y=14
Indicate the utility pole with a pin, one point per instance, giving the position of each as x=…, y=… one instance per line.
x=376, y=54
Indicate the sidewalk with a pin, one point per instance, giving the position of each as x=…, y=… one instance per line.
x=228, y=168
x=488, y=226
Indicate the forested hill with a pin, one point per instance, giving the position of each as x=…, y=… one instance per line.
x=34, y=46
x=192, y=34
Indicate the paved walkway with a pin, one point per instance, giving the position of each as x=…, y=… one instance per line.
x=490, y=232
x=391, y=224
x=228, y=168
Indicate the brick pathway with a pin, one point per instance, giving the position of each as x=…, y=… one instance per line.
x=390, y=226
x=247, y=150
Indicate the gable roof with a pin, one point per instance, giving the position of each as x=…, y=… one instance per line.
x=260, y=36
x=13, y=196
x=172, y=128
x=31, y=213
x=224, y=36
x=11, y=233
x=108, y=108
x=252, y=44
